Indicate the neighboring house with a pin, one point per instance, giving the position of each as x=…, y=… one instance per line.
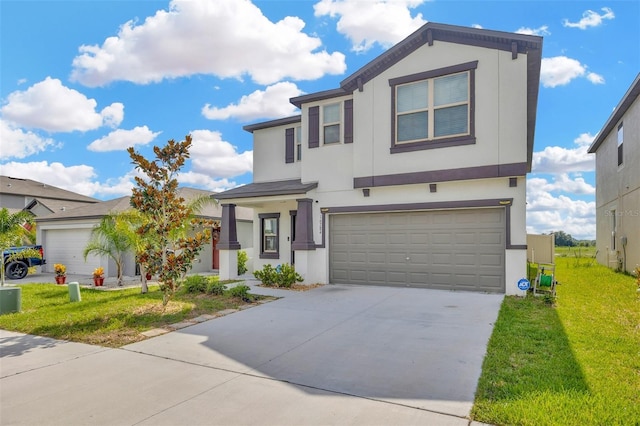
x=411, y=173
x=617, y=150
x=38, y=198
x=64, y=236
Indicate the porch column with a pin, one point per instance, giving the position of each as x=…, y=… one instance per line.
x=228, y=244
x=304, y=226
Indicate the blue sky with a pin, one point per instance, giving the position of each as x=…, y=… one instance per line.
x=83, y=80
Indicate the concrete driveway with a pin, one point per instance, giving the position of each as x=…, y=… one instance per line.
x=334, y=355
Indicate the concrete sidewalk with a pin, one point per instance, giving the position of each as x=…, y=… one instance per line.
x=333, y=355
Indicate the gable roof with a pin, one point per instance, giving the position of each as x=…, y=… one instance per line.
x=432, y=32
x=616, y=115
x=273, y=123
x=267, y=189
x=31, y=188
x=98, y=210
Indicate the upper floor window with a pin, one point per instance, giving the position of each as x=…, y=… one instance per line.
x=434, y=109
x=293, y=144
x=298, y=136
x=430, y=114
x=331, y=123
x=620, y=143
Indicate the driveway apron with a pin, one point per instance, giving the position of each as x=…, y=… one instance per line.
x=337, y=354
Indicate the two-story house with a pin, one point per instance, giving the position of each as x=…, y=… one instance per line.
x=411, y=173
x=618, y=184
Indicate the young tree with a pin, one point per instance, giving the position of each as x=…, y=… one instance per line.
x=111, y=238
x=13, y=233
x=175, y=236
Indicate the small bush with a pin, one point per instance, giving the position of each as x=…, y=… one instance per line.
x=243, y=258
x=195, y=284
x=284, y=275
x=215, y=287
x=267, y=275
x=241, y=291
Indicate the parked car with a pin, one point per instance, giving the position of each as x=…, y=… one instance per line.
x=17, y=265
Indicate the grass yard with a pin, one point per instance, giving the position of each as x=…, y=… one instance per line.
x=576, y=252
x=577, y=363
x=107, y=318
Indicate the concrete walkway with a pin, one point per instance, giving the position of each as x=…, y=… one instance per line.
x=333, y=355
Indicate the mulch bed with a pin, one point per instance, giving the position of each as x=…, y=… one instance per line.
x=294, y=287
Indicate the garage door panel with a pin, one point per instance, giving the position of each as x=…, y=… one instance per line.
x=490, y=238
x=455, y=249
x=441, y=259
x=487, y=260
x=441, y=238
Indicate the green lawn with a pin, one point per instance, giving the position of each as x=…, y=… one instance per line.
x=107, y=318
x=577, y=363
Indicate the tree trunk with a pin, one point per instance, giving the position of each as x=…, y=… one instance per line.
x=144, y=288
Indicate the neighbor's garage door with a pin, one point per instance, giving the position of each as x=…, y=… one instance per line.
x=449, y=249
x=66, y=246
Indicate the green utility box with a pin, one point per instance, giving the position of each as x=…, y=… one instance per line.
x=74, y=292
x=10, y=300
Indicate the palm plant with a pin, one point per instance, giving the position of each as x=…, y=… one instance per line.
x=13, y=232
x=111, y=237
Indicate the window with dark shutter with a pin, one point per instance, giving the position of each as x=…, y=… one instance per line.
x=348, y=121
x=314, y=127
x=620, y=144
x=289, y=145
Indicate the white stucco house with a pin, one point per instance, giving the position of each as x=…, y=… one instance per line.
x=65, y=234
x=617, y=150
x=411, y=173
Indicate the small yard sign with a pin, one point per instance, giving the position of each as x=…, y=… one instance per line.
x=524, y=284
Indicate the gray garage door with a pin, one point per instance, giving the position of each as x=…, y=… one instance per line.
x=449, y=249
x=66, y=246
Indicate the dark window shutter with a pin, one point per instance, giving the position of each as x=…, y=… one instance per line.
x=620, y=153
x=314, y=127
x=289, y=145
x=348, y=121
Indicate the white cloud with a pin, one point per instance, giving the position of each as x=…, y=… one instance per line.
x=50, y=106
x=80, y=179
x=212, y=156
x=547, y=212
x=590, y=19
x=595, y=78
x=72, y=178
x=113, y=115
x=563, y=183
x=556, y=159
x=121, y=139
x=549, y=205
x=385, y=22
x=17, y=143
x=226, y=38
x=584, y=140
x=273, y=102
x=561, y=70
x=540, y=31
x=205, y=181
